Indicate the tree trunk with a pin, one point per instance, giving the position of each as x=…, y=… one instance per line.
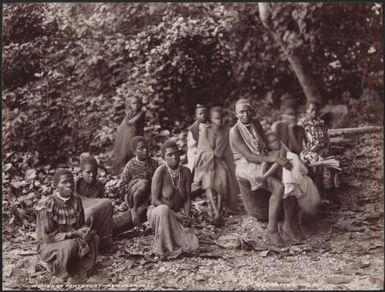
x=301, y=69
x=305, y=77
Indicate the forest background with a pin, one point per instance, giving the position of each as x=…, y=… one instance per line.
x=68, y=69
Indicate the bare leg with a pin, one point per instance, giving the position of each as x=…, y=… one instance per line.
x=219, y=219
x=211, y=199
x=275, y=204
x=290, y=226
x=140, y=196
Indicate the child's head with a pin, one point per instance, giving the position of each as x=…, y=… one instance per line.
x=201, y=113
x=216, y=116
x=139, y=147
x=89, y=168
x=134, y=103
x=312, y=110
x=289, y=111
x=273, y=142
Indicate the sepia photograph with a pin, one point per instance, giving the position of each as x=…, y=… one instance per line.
x=192, y=146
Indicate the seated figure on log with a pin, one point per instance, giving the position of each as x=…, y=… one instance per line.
x=136, y=179
x=292, y=215
x=275, y=149
x=316, y=147
x=214, y=166
x=290, y=134
x=65, y=243
x=170, y=191
x=98, y=211
x=292, y=137
x=248, y=143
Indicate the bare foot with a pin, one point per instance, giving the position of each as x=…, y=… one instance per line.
x=299, y=232
x=275, y=238
x=290, y=231
x=218, y=221
x=136, y=218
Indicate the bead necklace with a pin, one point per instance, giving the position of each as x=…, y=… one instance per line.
x=174, y=174
x=63, y=199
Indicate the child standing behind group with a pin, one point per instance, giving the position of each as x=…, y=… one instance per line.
x=131, y=126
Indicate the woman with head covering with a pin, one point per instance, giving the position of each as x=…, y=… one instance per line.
x=247, y=141
x=214, y=166
x=98, y=210
x=65, y=243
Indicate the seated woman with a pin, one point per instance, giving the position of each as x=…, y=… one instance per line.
x=136, y=179
x=214, y=166
x=316, y=147
x=170, y=191
x=98, y=211
x=65, y=243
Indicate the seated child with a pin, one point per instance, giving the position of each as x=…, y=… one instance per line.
x=275, y=149
x=98, y=211
x=136, y=179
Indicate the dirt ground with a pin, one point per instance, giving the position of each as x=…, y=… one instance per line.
x=344, y=249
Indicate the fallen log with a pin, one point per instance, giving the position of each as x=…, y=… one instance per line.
x=354, y=131
x=341, y=140
x=122, y=222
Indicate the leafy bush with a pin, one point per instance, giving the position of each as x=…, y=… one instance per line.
x=68, y=68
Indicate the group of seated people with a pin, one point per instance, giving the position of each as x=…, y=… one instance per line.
x=76, y=220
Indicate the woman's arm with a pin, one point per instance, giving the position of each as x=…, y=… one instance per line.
x=237, y=142
x=271, y=171
x=156, y=187
x=135, y=118
x=191, y=142
x=49, y=229
x=187, y=202
x=296, y=144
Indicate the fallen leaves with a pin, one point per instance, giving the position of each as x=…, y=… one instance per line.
x=336, y=280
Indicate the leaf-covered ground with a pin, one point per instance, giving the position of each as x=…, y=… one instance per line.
x=344, y=248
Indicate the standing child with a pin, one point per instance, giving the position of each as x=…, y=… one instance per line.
x=193, y=134
x=131, y=126
x=98, y=211
x=214, y=165
x=136, y=177
x=317, y=147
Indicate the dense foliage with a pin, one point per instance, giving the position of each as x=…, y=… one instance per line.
x=68, y=68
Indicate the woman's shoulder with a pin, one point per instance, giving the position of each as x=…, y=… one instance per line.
x=185, y=170
x=153, y=162
x=46, y=203
x=160, y=169
x=302, y=121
